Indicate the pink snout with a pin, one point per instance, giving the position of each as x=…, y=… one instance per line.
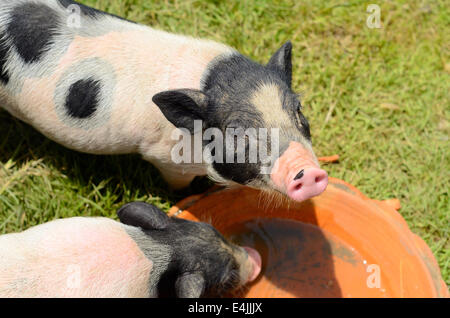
x=307, y=184
x=255, y=260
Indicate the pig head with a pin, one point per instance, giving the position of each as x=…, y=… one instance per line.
x=244, y=98
x=201, y=261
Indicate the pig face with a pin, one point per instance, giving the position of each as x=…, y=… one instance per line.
x=257, y=104
x=201, y=262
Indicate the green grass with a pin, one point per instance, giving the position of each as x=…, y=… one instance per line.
x=377, y=97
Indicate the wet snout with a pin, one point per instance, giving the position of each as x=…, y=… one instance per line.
x=250, y=264
x=255, y=263
x=297, y=174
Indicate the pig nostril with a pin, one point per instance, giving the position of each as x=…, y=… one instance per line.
x=299, y=175
x=313, y=182
x=319, y=178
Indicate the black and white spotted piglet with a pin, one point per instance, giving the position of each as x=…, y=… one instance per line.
x=100, y=84
x=147, y=255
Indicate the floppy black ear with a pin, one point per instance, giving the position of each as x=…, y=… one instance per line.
x=144, y=215
x=182, y=106
x=281, y=62
x=190, y=285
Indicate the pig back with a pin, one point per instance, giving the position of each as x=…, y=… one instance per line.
x=89, y=87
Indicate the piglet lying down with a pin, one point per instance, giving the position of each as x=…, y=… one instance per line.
x=147, y=255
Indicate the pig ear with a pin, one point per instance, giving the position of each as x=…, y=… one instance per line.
x=281, y=62
x=144, y=215
x=190, y=285
x=182, y=106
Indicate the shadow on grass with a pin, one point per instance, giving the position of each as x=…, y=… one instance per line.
x=128, y=176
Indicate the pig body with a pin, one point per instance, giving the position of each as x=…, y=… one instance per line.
x=99, y=257
x=100, y=84
x=111, y=67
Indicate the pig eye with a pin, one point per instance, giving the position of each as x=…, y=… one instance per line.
x=298, y=112
x=298, y=108
x=302, y=122
x=305, y=127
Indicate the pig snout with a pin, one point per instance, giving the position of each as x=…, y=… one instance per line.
x=254, y=260
x=297, y=174
x=313, y=181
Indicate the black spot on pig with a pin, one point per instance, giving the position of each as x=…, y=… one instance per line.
x=4, y=49
x=202, y=261
x=83, y=98
x=88, y=11
x=31, y=29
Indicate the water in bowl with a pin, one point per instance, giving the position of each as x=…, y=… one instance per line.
x=298, y=259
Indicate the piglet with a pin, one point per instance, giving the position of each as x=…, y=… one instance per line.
x=99, y=84
x=147, y=255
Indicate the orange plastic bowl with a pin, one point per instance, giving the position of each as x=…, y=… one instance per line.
x=351, y=246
